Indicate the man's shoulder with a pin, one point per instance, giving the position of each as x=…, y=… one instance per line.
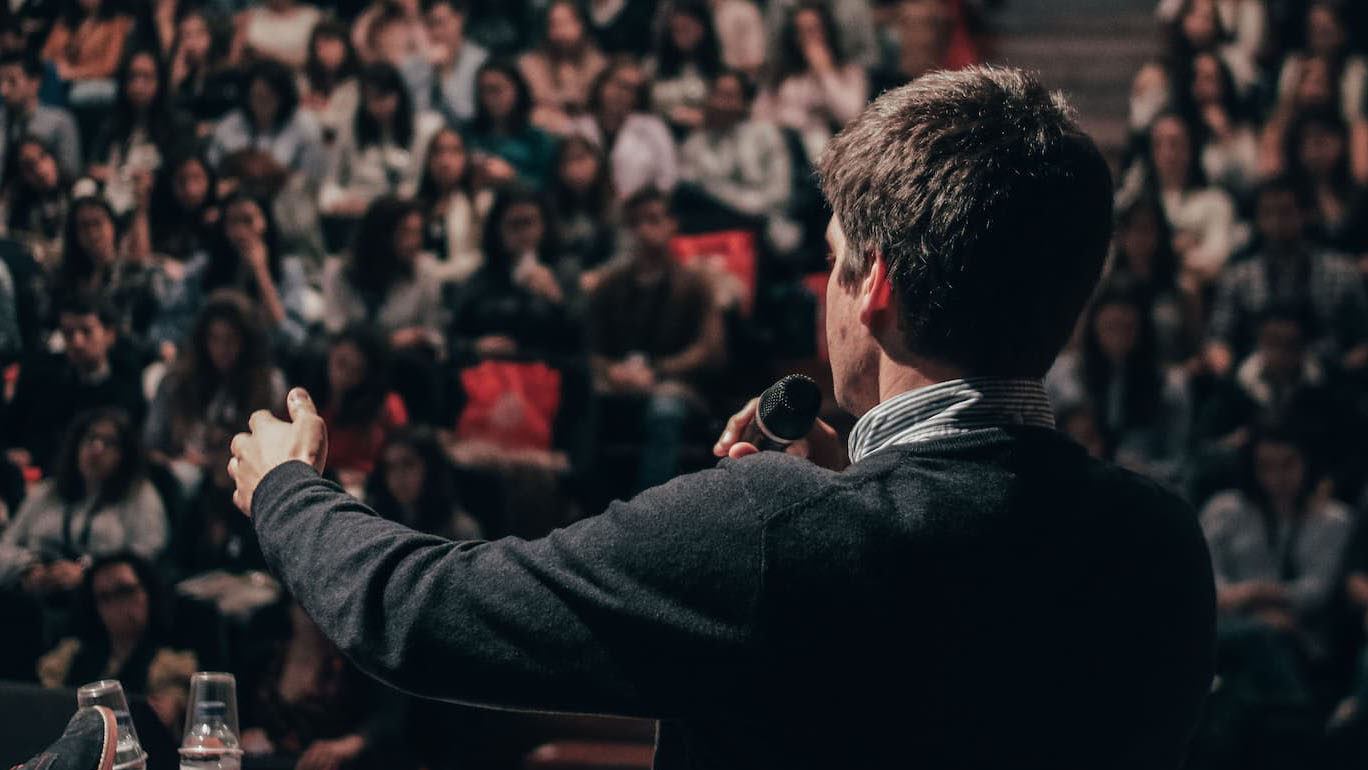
x=48, y=116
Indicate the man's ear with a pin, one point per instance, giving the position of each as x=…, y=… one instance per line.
x=876, y=294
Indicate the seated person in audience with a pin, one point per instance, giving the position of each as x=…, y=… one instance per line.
x=268, y=117
x=213, y=535
x=561, y=69
x=1317, y=156
x=622, y=28
x=454, y=207
x=1229, y=150
x=202, y=82
x=380, y=150
x=740, y=165
x=390, y=31
x=84, y=376
x=386, y=280
x=445, y=82
x=312, y=703
x=23, y=116
x=141, y=133
x=654, y=335
x=515, y=305
x=122, y=631
x=814, y=90
x=184, y=213
x=1144, y=407
x=276, y=29
x=505, y=146
x=246, y=255
x=95, y=263
x=1328, y=37
x=853, y=17
x=413, y=484
x=686, y=60
x=583, y=210
x=85, y=45
x=1142, y=251
x=97, y=503
x=328, y=87
x=356, y=402
x=1276, y=549
x=35, y=201
x=1205, y=232
x=1289, y=269
x=640, y=148
x=222, y=375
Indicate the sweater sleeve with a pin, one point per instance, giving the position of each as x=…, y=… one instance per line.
x=644, y=610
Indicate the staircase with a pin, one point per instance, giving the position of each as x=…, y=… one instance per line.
x=1089, y=49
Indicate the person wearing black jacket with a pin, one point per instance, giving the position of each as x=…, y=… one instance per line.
x=971, y=591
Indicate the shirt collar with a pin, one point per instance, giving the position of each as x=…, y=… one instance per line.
x=948, y=408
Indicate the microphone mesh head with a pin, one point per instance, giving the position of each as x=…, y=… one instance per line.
x=789, y=407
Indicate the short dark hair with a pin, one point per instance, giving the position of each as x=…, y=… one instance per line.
x=990, y=206
x=1285, y=184
x=639, y=199
x=87, y=303
x=459, y=6
x=27, y=60
x=281, y=79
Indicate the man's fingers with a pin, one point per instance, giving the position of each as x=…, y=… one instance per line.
x=300, y=405
x=258, y=417
x=239, y=443
x=735, y=425
x=741, y=449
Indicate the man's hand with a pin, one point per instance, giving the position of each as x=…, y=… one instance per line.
x=821, y=445
x=270, y=443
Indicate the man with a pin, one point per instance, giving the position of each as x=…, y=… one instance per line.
x=83, y=377
x=739, y=165
x=21, y=74
x=445, y=82
x=973, y=591
x=654, y=335
x=1290, y=270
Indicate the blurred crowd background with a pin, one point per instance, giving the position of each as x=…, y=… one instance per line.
x=528, y=255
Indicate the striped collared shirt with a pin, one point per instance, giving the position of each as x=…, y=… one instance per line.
x=948, y=408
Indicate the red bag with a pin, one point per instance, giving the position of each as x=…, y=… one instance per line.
x=732, y=251
x=512, y=404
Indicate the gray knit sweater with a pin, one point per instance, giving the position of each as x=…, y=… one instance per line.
x=993, y=600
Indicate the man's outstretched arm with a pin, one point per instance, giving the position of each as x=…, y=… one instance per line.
x=644, y=610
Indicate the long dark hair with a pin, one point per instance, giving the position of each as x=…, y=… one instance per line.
x=166, y=219
x=1277, y=432
x=372, y=266
x=1195, y=176
x=1332, y=120
x=521, y=117
x=437, y=502
x=791, y=60
x=159, y=125
x=67, y=480
x=219, y=39
x=1144, y=375
x=78, y=266
x=196, y=380
x=318, y=78
x=280, y=79
x=224, y=262
x=598, y=200
x=361, y=405
x=428, y=192
x=670, y=60
x=90, y=629
x=383, y=77
x=1164, y=265
x=498, y=260
x=1235, y=107
x=73, y=14
x=586, y=36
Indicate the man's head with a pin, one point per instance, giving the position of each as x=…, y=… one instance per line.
x=88, y=326
x=647, y=212
x=20, y=76
x=971, y=221
x=445, y=22
x=1280, y=206
x=1281, y=342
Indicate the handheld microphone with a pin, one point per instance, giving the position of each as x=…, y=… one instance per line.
x=787, y=410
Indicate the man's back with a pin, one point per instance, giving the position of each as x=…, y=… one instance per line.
x=993, y=600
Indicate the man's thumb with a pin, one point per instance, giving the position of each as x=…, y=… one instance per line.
x=300, y=405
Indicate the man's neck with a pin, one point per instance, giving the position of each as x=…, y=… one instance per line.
x=1287, y=253
x=96, y=374
x=26, y=109
x=896, y=378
